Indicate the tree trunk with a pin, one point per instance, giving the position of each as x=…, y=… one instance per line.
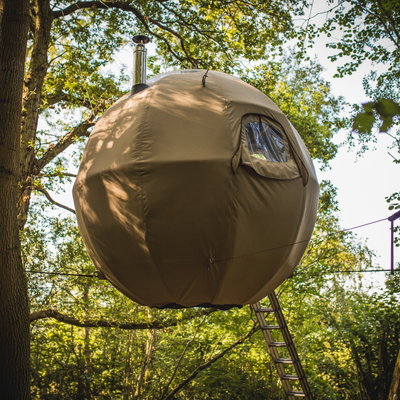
x=14, y=306
x=395, y=386
x=382, y=360
x=32, y=95
x=88, y=372
x=128, y=367
x=88, y=391
x=146, y=362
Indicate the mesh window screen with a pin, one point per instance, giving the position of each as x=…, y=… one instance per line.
x=265, y=142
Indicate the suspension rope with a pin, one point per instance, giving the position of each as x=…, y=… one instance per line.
x=63, y=274
x=299, y=242
x=96, y=274
x=348, y=272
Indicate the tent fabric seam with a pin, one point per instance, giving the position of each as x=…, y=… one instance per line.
x=227, y=109
x=141, y=174
x=229, y=119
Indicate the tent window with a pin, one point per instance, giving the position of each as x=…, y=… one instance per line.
x=265, y=142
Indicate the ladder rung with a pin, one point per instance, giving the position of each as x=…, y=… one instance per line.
x=296, y=394
x=265, y=310
x=287, y=342
x=283, y=361
x=270, y=327
x=290, y=377
x=277, y=344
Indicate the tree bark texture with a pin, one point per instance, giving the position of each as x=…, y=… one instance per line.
x=32, y=95
x=88, y=391
x=14, y=307
x=382, y=356
x=395, y=386
x=145, y=364
x=66, y=319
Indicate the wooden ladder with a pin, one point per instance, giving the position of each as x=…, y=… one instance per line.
x=287, y=380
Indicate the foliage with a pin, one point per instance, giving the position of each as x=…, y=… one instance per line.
x=366, y=27
x=369, y=30
x=89, y=341
x=385, y=108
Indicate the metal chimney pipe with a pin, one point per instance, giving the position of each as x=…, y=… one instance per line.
x=139, y=64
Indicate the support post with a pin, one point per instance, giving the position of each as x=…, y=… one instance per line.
x=392, y=218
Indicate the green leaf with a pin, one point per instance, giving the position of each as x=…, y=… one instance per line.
x=386, y=124
x=363, y=122
x=387, y=108
x=369, y=107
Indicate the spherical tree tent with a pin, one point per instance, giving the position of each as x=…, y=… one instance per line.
x=195, y=191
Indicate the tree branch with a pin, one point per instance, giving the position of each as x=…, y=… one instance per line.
x=376, y=15
x=60, y=96
x=129, y=8
x=51, y=313
x=390, y=19
x=145, y=364
x=63, y=143
x=193, y=375
x=207, y=33
x=176, y=34
x=61, y=174
x=181, y=357
x=55, y=98
x=97, y=4
x=46, y=193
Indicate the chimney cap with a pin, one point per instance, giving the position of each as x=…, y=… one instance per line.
x=141, y=39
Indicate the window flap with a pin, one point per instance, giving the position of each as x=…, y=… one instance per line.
x=266, y=148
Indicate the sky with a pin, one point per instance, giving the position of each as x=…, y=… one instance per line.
x=362, y=182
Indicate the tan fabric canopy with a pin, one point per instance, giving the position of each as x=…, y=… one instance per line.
x=190, y=195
